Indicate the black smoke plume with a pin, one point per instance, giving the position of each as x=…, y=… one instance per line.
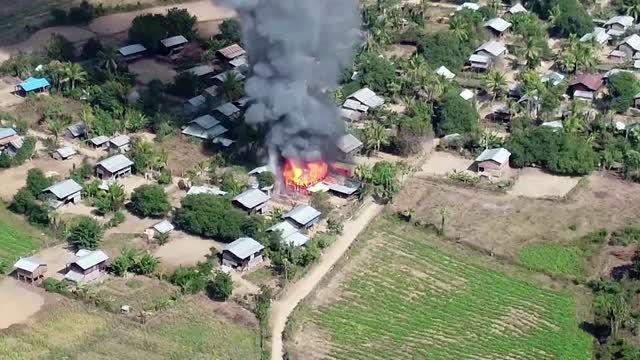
x=297, y=49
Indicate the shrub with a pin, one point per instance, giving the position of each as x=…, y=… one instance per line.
x=37, y=181
x=220, y=287
x=192, y=280
x=265, y=179
x=230, y=31
x=211, y=216
x=4, y=266
x=165, y=177
x=455, y=115
x=320, y=201
x=117, y=219
x=150, y=200
x=85, y=234
x=626, y=236
x=55, y=286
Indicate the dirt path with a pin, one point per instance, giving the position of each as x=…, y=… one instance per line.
x=281, y=309
x=112, y=24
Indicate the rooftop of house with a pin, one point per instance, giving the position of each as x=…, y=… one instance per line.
x=624, y=20
x=445, y=73
x=244, y=247
x=227, y=109
x=85, y=259
x=115, y=163
x=479, y=59
x=197, y=101
x=633, y=41
x=201, y=70
x=591, y=81
x=205, y=121
x=77, y=129
x=367, y=97
x=239, y=62
x=199, y=132
x=163, y=227
x=468, y=5
x=64, y=188
x=351, y=104
x=499, y=155
x=343, y=189
x=466, y=94
x=222, y=141
x=206, y=189
x=348, y=143
x=554, y=77
x=174, y=41
x=251, y=198
x=498, y=24
x=598, y=34
x=350, y=114
x=303, y=214
x=7, y=132
x=223, y=75
x=29, y=264
x=33, y=83
x=517, y=8
x=132, y=49
x=120, y=140
x=495, y=48
x=99, y=140
x=232, y=51
x=66, y=151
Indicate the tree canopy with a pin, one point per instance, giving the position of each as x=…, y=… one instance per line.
x=455, y=115
x=86, y=234
x=150, y=200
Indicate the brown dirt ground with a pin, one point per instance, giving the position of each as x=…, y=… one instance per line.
x=503, y=224
x=149, y=69
x=19, y=301
x=184, y=249
x=534, y=182
x=57, y=258
x=183, y=154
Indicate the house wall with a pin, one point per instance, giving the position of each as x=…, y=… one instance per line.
x=617, y=27
x=104, y=174
x=627, y=50
x=490, y=168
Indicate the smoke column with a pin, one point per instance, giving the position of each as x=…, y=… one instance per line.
x=297, y=49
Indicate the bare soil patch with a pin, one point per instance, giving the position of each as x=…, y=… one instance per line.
x=7, y=87
x=18, y=301
x=184, y=250
x=400, y=51
x=184, y=154
x=533, y=182
x=502, y=224
x=150, y=69
x=39, y=39
x=57, y=258
x=441, y=163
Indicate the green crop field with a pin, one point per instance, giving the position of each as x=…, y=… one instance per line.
x=554, y=258
x=15, y=239
x=405, y=299
x=188, y=331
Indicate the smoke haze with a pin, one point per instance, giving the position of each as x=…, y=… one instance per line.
x=297, y=49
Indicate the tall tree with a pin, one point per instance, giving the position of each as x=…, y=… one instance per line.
x=496, y=84
x=108, y=60
x=74, y=73
x=375, y=136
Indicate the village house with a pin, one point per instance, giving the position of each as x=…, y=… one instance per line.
x=366, y=98
x=231, y=52
x=87, y=266
x=64, y=192
x=554, y=77
x=493, y=50
x=289, y=234
x=201, y=70
x=617, y=56
x=468, y=5
x=120, y=143
x=76, y=131
x=630, y=46
x=304, y=216
x=204, y=127
x=173, y=45
x=162, y=228
x=7, y=135
x=349, y=115
x=240, y=64
x=599, y=35
x=99, y=142
x=228, y=110
x=64, y=153
x=242, y=254
x=467, y=94
x=132, y=52
x=115, y=167
x=497, y=27
x=617, y=25
x=11, y=149
x=32, y=84
x=30, y=270
x=349, y=146
x=445, y=73
x=586, y=83
x=252, y=201
x=480, y=62
x=219, y=79
x=342, y=190
x=516, y=9
x=492, y=162
x=195, y=104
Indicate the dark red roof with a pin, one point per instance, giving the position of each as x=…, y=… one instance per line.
x=592, y=81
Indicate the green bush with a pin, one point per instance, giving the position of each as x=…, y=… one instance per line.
x=626, y=236
x=220, y=287
x=86, y=234
x=150, y=200
x=192, y=280
x=55, y=286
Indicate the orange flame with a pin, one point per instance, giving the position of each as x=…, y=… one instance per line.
x=304, y=175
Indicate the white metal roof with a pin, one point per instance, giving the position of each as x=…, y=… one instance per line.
x=132, y=49
x=163, y=227
x=367, y=97
x=197, y=101
x=348, y=143
x=66, y=152
x=614, y=32
x=201, y=70
x=7, y=132
x=244, y=247
x=554, y=77
x=468, y=5
x=303, y=214
x=636, y=64
x=479, y=59
x=199, y=132
x=120, y=140
x=624, y=20
x=259, y=170
x=115, y=163
x=251, y=198
x=239, y=62
x=557, y=124
x=466, y=94
x=343, y=189
x=205, y=121
x=286, y=229
x=223, y=141
x=495, y=48
x=351, y=104
x=499, y=155
x=618, y=53
x=223, y=75
x=74, y=276
x=91, y=259
x=206, y=189
x=64, y=188
x=349, y=114
x=498, y=24
x=227, y=109
x=517, y=8
x=174, y=41
x=581, y=94
x=77, y=129
x=29, y=264
x=633, y=42
x=445, y=73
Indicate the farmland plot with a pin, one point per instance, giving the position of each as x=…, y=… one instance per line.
x=403, y=298
x=14, y=241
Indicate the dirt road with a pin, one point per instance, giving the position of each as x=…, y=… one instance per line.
x=113, y=24
x=281, y=309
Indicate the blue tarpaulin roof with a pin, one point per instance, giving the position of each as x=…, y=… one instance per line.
x=34, y=84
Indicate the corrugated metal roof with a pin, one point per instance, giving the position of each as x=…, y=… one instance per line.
x=163, y=227
x=351, y=115
x=29, y=264
x=205, y=121
x=493, y=47
x=239, y=62
x=199, y=132
x=343, y=189
x=206, y=189
x=555, y=78
x=251, y=198
x=286, y=229
x=624, y=20
x=445, y=73
x=499, y=155
x=201, y=70
x=115, y=163
x=296, y=239
x=32, y=83
x=227, y=109
x=91, y=259
x=223, y=141
x=197, y=101
x=99, y=140
x=131, y=49
x=174, y=41
x=581, y=94
x=517, y=8
x=232, y=51
x=498, y=24
x=633, y=42
x=481, y=59
x=468, y=5
x=303, y=214
x=74, y=276
x=259, y=170
x=367, y=97
x=120, y=140
x=223, y=75
x=64, y=188
x=66, y=152
x=351, y=104
x=244, y=247
x=77, y=129
x=348, y=143
x=7, y=132
x=614, y=32
x=618, y=53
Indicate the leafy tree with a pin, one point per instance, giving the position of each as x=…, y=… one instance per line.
x=26, y=151
x=231, y=31
x=91, y=48
x=180, y=22
x=185, y=84
x=623, y=87
x=145, y=263
x=572, y=19
x=37, y=181
x=444, y=48
x=108, y=59
x=150, y=201
x=376, y=72
x=231, y=86
x=577, y=55
x=455, y=115
x=375, y=136
x=85, y=234
x=23, y=201
x=211, y=216
x=148, y=30
x=265, y=179
x=146, y=156
x=112, y=200
x=59, y=48
x=220, y=287
x=192, y=280
x=321, y=202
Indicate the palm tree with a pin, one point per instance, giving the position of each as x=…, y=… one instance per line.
x=375, y=136
x=231, y=87
x=116, y=197
x=575, y=121
x=554, y=15
x=55, y=127
x=531, y=52
x=459, y=28
x=108, y=60
x=74, y=73
x=134, y=120
x=444, y=212
x=88, y=119
x=496, y=84
x=633, y=9
x=364, y=172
